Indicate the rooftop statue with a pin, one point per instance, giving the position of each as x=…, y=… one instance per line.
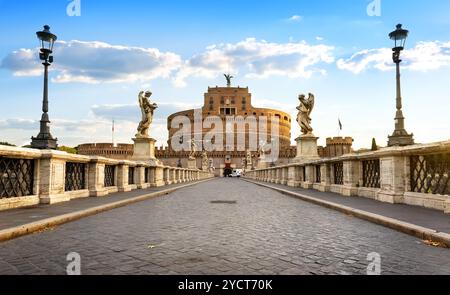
x=304, y=113
x=228, y=77
x=147, y=110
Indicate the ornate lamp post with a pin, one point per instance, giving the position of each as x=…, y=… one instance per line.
x=400, y=137
x=44, y=140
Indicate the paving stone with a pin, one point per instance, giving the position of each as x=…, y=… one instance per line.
x=265, y=232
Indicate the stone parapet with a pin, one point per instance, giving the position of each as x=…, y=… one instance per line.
x=49, y=177
x=414, y=175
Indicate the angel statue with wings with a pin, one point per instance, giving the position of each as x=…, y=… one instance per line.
x=147, y=110
x=228, y=77
x=304, y=113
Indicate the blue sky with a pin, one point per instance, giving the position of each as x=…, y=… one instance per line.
x=179, y=48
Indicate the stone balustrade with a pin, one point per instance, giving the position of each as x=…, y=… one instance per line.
x=415, y=175
x=29, y=177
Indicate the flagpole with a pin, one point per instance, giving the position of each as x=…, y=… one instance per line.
x=113, y=129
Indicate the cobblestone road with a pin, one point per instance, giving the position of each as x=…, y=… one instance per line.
x=264, y=232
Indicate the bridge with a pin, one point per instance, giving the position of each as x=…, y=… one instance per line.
x=125, y=217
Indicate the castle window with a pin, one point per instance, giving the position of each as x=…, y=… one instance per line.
x=286, y=118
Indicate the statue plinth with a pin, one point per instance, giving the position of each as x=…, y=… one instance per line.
x=307, y=148
x=144, y=150
x=192, y=163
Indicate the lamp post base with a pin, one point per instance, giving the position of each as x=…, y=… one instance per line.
x=44, y=142
x=403, y=139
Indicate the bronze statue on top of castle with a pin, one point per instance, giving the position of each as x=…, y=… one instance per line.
x=304, y=113
x=147, y=110
x=228, y=77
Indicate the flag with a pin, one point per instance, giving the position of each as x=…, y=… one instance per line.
x=340, y=124
x=113, y=126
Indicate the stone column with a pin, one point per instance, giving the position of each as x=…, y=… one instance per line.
x=52, y=179
x=166, y=176
x=178, y=175
x=158, y=176
x=96, y=179
x=395, y=174
x=308, y=182
x=284, y=175
x=292, y=177
x=325, y=175
x=183, y=175
x=122, y=178
x=351, y=178
x=173, y=175
x=140, y=177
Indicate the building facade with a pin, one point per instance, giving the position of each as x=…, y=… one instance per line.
x=250, y=128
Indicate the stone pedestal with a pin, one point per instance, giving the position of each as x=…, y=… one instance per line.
x=144, y=151
x=306, y=148
x=192, y=164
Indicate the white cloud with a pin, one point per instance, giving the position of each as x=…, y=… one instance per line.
x=22, y=62
x=295, y=18
x=258, y=59
x=132, y=113
x=95, y=62
x=425, y=56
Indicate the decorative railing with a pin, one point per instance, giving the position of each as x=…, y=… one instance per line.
x=414, y=175
x=110, y=172
x=131, y=175
x=75, y=176
x=146, y=175
x=49, y=176
x=16, y=177
x=371, y=173
x=303, y=170
x=338, y=169
x=318, y=174
x=430, y=174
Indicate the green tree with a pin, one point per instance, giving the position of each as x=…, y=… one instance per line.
x=374, y=145
x=67, y=149
x=6, y=143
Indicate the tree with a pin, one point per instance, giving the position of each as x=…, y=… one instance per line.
x=67, y=149
x=6, y=143
x=374, y=145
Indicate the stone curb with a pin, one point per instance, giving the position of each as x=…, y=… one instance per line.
x=29, y=228
x=404, y=227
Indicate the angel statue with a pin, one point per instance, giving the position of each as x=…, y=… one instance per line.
x=304, y=113
x=248, y=158
x=193, y=150
x=228, y=77
x=147, y=110
x=205, y=160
